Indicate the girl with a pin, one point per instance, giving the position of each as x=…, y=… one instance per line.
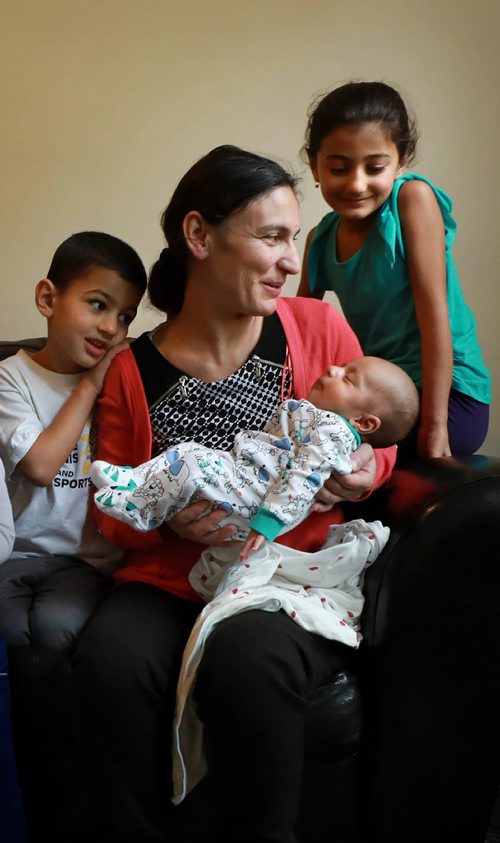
x=385, y=250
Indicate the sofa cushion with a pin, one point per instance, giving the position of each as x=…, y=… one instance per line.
x=10, y=347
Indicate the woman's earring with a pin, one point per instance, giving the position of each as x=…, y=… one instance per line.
x=316, y=184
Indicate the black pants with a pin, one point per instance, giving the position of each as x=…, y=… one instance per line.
x=46, y=600
x=44, y=604
x=256, y=674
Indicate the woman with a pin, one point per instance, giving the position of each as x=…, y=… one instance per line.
x=230, y=350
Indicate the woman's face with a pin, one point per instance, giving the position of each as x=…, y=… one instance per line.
x=252, y=253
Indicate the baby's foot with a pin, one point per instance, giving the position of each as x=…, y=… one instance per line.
x=115, y=501
x=106, y=474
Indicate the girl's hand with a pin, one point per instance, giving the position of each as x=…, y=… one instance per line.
x=341, y=487
x=199, y=523
x=433, y=442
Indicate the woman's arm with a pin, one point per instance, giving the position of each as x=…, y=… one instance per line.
x=424, y=238
x=303, y=289
x=124, y=438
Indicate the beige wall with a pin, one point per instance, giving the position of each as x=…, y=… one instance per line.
x=105, y=103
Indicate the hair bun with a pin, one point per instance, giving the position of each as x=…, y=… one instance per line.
x=165, y=256
x=163, y=284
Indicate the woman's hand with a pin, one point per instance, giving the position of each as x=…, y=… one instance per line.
x=341, y=487
x=199, y=523
x=433, y=442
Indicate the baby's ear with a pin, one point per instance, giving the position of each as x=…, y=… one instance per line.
x=44, y=297
x=365, y=423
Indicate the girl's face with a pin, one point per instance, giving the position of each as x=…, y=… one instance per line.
x=252, y=253
x=356, y=167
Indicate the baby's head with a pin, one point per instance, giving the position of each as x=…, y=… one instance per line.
x=89, y=298
x=376, y=397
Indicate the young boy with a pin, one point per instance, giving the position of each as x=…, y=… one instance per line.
x=55, y=576
x=90, y=297
x=270, y=477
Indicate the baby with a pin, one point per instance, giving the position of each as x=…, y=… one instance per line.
x=269, y=478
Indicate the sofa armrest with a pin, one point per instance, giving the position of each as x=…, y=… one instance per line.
x=442, y=516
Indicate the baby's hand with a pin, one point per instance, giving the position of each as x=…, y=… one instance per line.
x=97, y=373
x=253, y=542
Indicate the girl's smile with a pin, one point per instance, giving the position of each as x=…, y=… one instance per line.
x=356, y=167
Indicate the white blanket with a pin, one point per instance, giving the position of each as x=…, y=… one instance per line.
x=320, y=591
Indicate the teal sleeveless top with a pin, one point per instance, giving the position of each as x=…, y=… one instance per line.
x=374, y=290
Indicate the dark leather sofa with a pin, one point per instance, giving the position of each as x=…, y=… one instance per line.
x=404, y=747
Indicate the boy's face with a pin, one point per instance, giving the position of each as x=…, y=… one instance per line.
x=347, y=390
x=88, y=317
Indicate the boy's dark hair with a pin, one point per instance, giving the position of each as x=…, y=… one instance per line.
x=89, y=249
x=220, y=184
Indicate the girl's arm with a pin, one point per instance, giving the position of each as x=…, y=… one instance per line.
x=303, y=289
x=424, y=237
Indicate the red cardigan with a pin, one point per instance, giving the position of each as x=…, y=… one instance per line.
x=317, y=336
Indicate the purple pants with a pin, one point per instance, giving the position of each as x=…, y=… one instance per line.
x=468, y=421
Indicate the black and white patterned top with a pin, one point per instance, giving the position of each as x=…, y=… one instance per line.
x=183, y=408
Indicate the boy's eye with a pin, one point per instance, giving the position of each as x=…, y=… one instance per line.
x=376, y=168
x=126, y=318
x=97, y=304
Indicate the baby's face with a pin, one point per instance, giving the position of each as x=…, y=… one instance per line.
x=347, y=390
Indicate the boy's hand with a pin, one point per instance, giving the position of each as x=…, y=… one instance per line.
x=254, y=542
x=95, y=376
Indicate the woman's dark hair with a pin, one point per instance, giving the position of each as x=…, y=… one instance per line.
x=357, y=103
x=89, y=249
x=221, y=183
